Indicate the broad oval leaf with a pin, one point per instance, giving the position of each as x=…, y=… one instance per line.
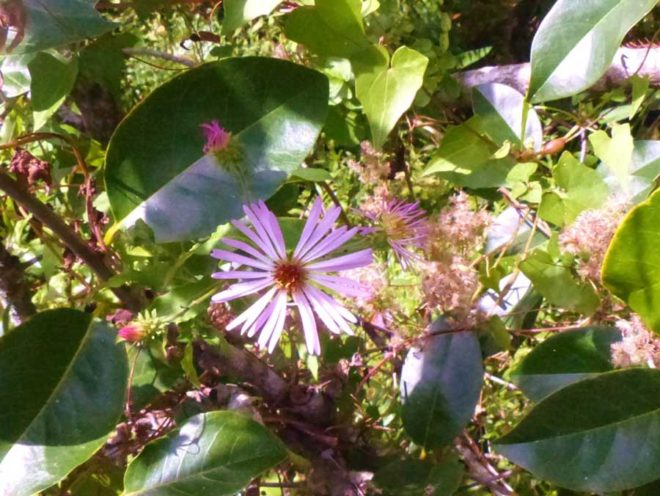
x=239, y=12
x=601, y=434
x=440, y=386
x=466, y=157
x=386, y=93
x=156, y=170
x=576, y=42
x=631, y=269
x=639, y=174
x=215, y=453
x=565, y=358
x=415, y=477
x=62, y=386
x=331, y=28
x=556, y=282
x=502, y=109
x=54, y=23
x=577, y=188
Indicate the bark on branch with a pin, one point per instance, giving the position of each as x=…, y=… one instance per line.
x=77, y=245
x=15, y=292
x=645, y=62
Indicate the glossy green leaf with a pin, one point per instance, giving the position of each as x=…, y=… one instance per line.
x=465, y=158
x=502, y=110
x=616, y=154
x=576, y=43
x=565, y=358
x=601, y=434
x=639, y=173
x=62, y=388
x=54, y=23
x=312, y=175
x=15, y=75
x=156, y=170
x=52, y=78
x=579, y=188
x=415, y=477
x=387, y=93
x=440, y=386
x=239, y=12
x=215, y=453
x=631, y=269
x=331, y=28
x=557, y=284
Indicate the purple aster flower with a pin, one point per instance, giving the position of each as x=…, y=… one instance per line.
x=405, y=227
x=280, y=277
x=217, y=138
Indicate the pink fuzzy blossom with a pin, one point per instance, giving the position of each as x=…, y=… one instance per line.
x=405, y=227
x=301, y=276
x=217, y=138
x=638, y=346
x=132, y=332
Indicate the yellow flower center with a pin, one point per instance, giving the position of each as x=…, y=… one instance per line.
x=290, y=275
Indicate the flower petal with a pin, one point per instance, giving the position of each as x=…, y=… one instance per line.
x=341, y=285
x=333, y=241
x=312, y=220
x=250, y=250
x=240, y=274
x=241, y=289
x=322, y=228
x=230, y=256
x=275, y=322
x=248, y=317
x=253, y=213
x=309, y=323
x=345, y=262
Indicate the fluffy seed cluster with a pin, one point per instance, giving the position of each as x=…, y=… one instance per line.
x=458, y=229
x=372, y=167
x=638, y=346
x=590, y=235
x=372, y=279
x=449, y=287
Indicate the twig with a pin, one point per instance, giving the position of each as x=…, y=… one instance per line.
x=326, y=187
x=14, y=290
x=77, y=245
x=160, y=55
x=480, y=469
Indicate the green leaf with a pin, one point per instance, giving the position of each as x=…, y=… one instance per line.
x=15, y=75
x=565, y=358
x=155, y=167
x=54, y=23
x=240, y=12
x=330, y=28
x=440, y=387
x=556, y=283
x=104, y=62
x=465, y=158
x=387, y=93
x=616, y=153
x=312, y=175
x=52, y=78
x=576, y=43
x=579, y=188
x=640, y=174
x=62, y=388
x=601, y=434
x=631, y=269
x=415, y=477
x=215, y=453
x=502, y=109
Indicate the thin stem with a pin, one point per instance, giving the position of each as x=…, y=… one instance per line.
x=67, y=235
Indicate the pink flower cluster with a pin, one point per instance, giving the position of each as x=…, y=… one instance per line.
x=217, y=138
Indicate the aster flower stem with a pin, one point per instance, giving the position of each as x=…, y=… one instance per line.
x=330, y=192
